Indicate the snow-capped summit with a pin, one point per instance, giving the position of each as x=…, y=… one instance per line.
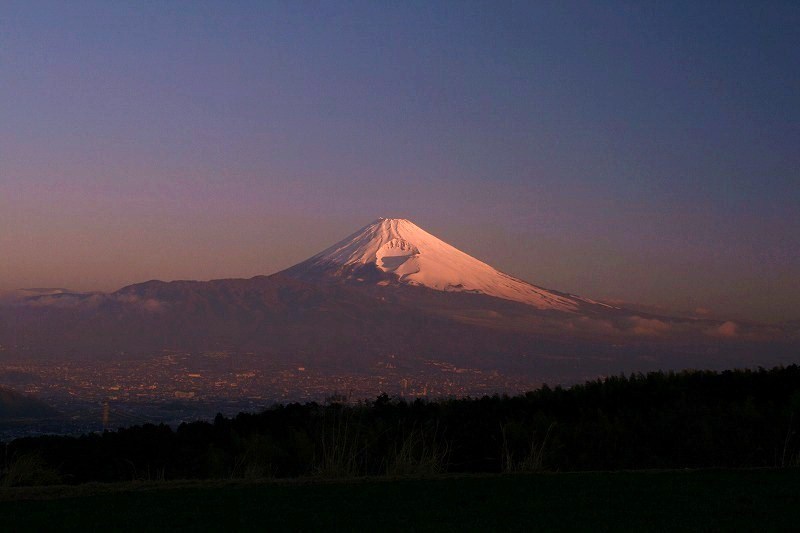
x=399, y=247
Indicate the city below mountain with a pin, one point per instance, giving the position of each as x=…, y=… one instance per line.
x=391, y=303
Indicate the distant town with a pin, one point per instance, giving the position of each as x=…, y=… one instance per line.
x=176, y=387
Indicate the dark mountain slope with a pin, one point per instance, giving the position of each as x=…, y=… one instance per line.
x=14, y=405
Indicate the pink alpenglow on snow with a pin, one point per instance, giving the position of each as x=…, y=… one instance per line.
x=399, y=247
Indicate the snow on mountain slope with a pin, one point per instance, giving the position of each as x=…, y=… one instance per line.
x=400, y=247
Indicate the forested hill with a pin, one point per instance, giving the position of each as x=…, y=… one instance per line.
x=660, y=420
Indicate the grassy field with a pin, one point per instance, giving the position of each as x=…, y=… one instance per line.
x=710, y=500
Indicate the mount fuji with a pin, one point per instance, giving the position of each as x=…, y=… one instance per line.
x=390, y=291
x=407, y=254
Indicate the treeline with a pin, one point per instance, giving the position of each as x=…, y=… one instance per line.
x=688, y=419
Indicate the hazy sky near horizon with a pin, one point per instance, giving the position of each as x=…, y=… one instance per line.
x=643, y=152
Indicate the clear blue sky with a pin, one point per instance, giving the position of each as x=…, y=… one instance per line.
x=642, y=151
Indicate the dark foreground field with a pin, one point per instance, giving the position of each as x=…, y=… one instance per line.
x=709, y=500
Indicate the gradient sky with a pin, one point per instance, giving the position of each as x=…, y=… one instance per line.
x=644, y=151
